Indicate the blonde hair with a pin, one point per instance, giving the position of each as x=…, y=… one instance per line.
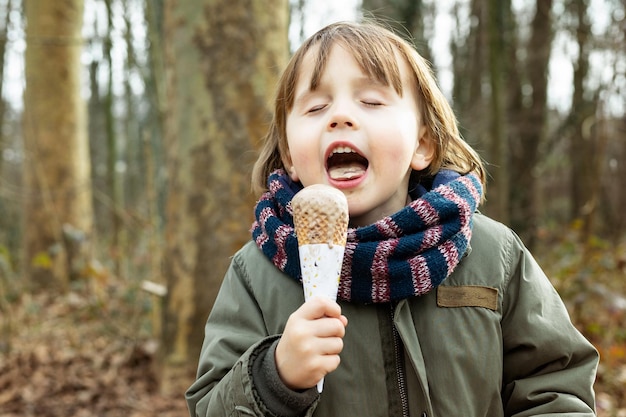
x=375, y=49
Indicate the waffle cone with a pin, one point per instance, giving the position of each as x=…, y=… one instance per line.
x=320, y=214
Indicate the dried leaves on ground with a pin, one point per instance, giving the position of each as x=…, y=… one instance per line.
x=74, y=356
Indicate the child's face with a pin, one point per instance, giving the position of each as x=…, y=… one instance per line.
x=356, y=135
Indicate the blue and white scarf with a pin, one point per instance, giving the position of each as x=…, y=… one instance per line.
x=403, y=255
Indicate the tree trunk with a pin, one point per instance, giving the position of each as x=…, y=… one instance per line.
x=532, y=126
x=469, y=54
x=582, y=144
x=407, y=18
x=57, y=199
x=5, y=220
x=222, y=60
x=114, y=186
x=498, y=146
x=3, y=43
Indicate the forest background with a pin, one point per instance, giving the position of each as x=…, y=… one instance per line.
x=129, y=127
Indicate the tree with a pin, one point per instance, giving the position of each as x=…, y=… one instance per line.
x=3, y=42
x=582, y=145
x=407, y=18
x=498, y=143
x=114, y=183
x=222, y=60
x=469, y=54
x=531, y=117
x=58, y=212
x=6, y=223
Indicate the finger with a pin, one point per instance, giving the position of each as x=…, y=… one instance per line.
x=318, y=307
x=328, y=363
x=331, y=346
x=328, y=327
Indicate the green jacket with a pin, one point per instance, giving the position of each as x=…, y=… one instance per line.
x=493, y=340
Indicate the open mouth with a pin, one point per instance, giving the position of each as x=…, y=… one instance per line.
x=344, y=163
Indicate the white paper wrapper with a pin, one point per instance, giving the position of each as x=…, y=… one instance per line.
x=321, y=267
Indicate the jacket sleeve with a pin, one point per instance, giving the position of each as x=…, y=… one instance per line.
x=549, y=367
x=234, y=349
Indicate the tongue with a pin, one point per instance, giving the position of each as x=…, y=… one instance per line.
x=346, y=172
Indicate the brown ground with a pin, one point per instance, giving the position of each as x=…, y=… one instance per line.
x=74, y=356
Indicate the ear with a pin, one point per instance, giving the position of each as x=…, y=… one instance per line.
x=424, y=150
x=291, y=170
x=292, y=174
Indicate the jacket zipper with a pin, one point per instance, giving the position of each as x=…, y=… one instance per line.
x=400, y=371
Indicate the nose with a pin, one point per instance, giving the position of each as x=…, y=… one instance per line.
x=342, y=117
x=346, y=123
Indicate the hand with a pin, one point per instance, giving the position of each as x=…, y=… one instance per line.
x=310, y=345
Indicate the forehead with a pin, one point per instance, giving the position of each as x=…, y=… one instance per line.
x=381, y=63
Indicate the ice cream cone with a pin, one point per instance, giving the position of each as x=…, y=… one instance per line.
x=320, y=215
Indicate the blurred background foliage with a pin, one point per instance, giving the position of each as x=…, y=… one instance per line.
x=128, y=129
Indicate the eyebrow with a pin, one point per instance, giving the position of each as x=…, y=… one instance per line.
x=370, y=80
x=359, y=82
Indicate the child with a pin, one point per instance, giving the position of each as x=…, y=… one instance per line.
x=441, y=311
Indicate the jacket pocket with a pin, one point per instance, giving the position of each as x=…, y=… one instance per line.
x=467, y=296
x=242, y=411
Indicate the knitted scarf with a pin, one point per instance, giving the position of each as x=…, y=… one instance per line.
x=403, y=255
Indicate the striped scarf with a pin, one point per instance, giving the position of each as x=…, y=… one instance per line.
x=403, y=255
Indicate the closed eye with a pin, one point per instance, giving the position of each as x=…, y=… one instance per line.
x=371, y=103
x=316, y=108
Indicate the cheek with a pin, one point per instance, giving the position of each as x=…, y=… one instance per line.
x=402, y=160
x=407, y=127
x=403, y=141
x=409, y=136
x=302, y=148
x=299, y=148
x=299, y=158
x=391, y=158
